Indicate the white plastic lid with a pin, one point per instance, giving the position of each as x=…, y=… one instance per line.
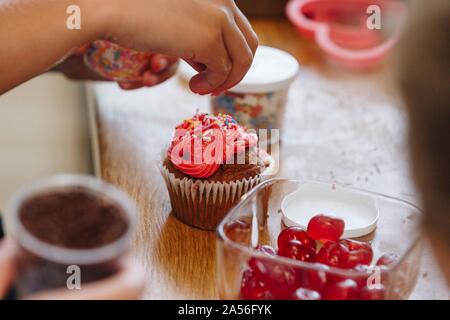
x=358, y=211
x=272, y=69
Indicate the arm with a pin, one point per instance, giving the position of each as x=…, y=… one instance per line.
x=211, y=35
x=34, y=36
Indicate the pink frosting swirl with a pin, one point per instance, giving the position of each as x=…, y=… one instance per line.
x=204, y=142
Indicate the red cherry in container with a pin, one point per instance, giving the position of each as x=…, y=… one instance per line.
x=333, y=254
x=376, y=292
x=325, y=228
x=252, y=288
x=354, y=245
x=306, y=294
x=281, y=280
x=344, y=290
x=314, y=279
x=359, y=253
x=387, y=259
x=294, y=249
x=267, y=250
x=336, y=278
x=371, y=276
x=261, y=266
x=364, y=272
x=295, y=233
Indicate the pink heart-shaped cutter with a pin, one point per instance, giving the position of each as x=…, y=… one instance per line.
x=354, y=47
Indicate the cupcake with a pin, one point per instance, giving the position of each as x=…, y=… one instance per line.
x=210, y=163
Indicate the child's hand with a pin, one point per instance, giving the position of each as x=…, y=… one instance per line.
x=211, y=35
x=73, y=67
x=127, y=283
x=161, y=68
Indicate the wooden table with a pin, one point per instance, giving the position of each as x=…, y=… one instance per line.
x=339, y=127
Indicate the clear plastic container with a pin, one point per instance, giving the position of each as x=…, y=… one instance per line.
x=259, y=100
x=257, y=220
x=42, y=265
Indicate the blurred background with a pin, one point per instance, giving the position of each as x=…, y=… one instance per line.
x=44, y=124
x=263, y=8
x=43, y=130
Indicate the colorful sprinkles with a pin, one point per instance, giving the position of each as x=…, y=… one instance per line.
x=114, y=62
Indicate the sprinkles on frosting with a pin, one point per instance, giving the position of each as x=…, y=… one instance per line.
x=204, y=142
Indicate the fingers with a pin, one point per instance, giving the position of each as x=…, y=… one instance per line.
x=164, y=67
x=7, y=267
x=159, y=63
x=130, y=85
x=245, y=60
x=199, y=67
x=128, y=284
x=168, y=73
x=225, y=69
x=241, y=56
x=161, y=68
x=218, y=67
x=148, y=80
x=247, y=30
x=74, y=68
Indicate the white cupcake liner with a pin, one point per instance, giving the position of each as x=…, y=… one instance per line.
x=203, y=204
